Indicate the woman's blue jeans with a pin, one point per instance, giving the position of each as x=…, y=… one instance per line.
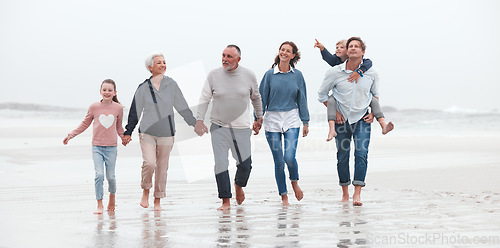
x=104, y=156
x=360, y=133
x=274, y=139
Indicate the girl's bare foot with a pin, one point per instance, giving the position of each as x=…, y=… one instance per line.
x=284, y=200
x=157, y=205
x=331, y=132
x=145, y=197
x=111, y=204
x=226, y=204
x=387, y=128
x=100, y=207
x=298, y=192
x=240, y=194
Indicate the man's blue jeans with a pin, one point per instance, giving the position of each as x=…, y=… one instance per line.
x=360, y=132
x=104, y=156
x=291, y=137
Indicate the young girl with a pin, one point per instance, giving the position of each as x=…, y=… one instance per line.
x=284, y=102
x=107, y=116
x=333, y=116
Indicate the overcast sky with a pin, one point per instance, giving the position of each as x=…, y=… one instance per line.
x=430, y=54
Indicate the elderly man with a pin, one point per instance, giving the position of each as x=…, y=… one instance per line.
x=230, y=88
x=353, y=100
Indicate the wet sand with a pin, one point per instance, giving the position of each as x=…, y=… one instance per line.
x=433, y=191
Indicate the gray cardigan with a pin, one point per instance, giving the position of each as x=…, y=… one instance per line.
x=168, y=97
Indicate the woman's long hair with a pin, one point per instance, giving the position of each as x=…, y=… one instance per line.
x=110, y=81
x=295, y=51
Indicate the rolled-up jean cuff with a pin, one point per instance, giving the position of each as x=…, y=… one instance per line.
x=294, y=180
x=358, y=183
x=345, y=184
x=284, y=193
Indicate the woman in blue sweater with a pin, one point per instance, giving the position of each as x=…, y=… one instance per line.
x=284, y=103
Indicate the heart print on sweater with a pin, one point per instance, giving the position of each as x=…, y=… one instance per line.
x=106, y=121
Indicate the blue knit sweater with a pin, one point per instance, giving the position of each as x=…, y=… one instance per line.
x=284, y=92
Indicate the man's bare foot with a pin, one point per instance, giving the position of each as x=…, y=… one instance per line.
x=284, y=200
x=356, y=200
x=226, y=204
x=356, y=197
x=298, y=192
x=345, y=193
x=100, y=207
x=111, y=204
x=145, y=197
x=331, y=132
x=240, y=194
x=387, y=128
x=157, y=204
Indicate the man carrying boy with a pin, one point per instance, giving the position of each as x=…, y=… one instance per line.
x=353, y=100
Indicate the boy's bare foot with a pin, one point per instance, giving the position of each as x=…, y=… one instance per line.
x=240, y=194
x=284, y=200
x=111, y=204
x=387, y=128
x=345, y=193
x=331, y=132
x=157, y=204
x=226, y=204
x=298, y=192
x=145, y=197
x=100, y=207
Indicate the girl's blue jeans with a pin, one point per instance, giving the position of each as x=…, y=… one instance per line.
x=104, y=156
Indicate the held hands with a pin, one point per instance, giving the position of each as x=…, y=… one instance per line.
x=200, y=128
x=257, y=125
x=319, y=45
x=126, y=139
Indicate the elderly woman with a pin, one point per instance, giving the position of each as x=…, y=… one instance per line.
x=154, y=100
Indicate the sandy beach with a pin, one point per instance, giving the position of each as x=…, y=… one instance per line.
x=431, y=190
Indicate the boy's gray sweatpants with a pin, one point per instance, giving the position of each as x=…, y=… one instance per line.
x=332, y=108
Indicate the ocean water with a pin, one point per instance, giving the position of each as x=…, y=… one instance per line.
x=453, y=121
x=428, y=122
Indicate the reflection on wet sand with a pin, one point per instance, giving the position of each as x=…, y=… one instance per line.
x=351, y=231
x=105, y=237
x=288, y=227
x=154, y=230
x=233, y=230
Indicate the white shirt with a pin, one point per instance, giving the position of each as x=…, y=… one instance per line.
x=278, y=121
x=353, y=99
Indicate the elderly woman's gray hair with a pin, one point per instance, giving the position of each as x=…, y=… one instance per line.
x=151, y=59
